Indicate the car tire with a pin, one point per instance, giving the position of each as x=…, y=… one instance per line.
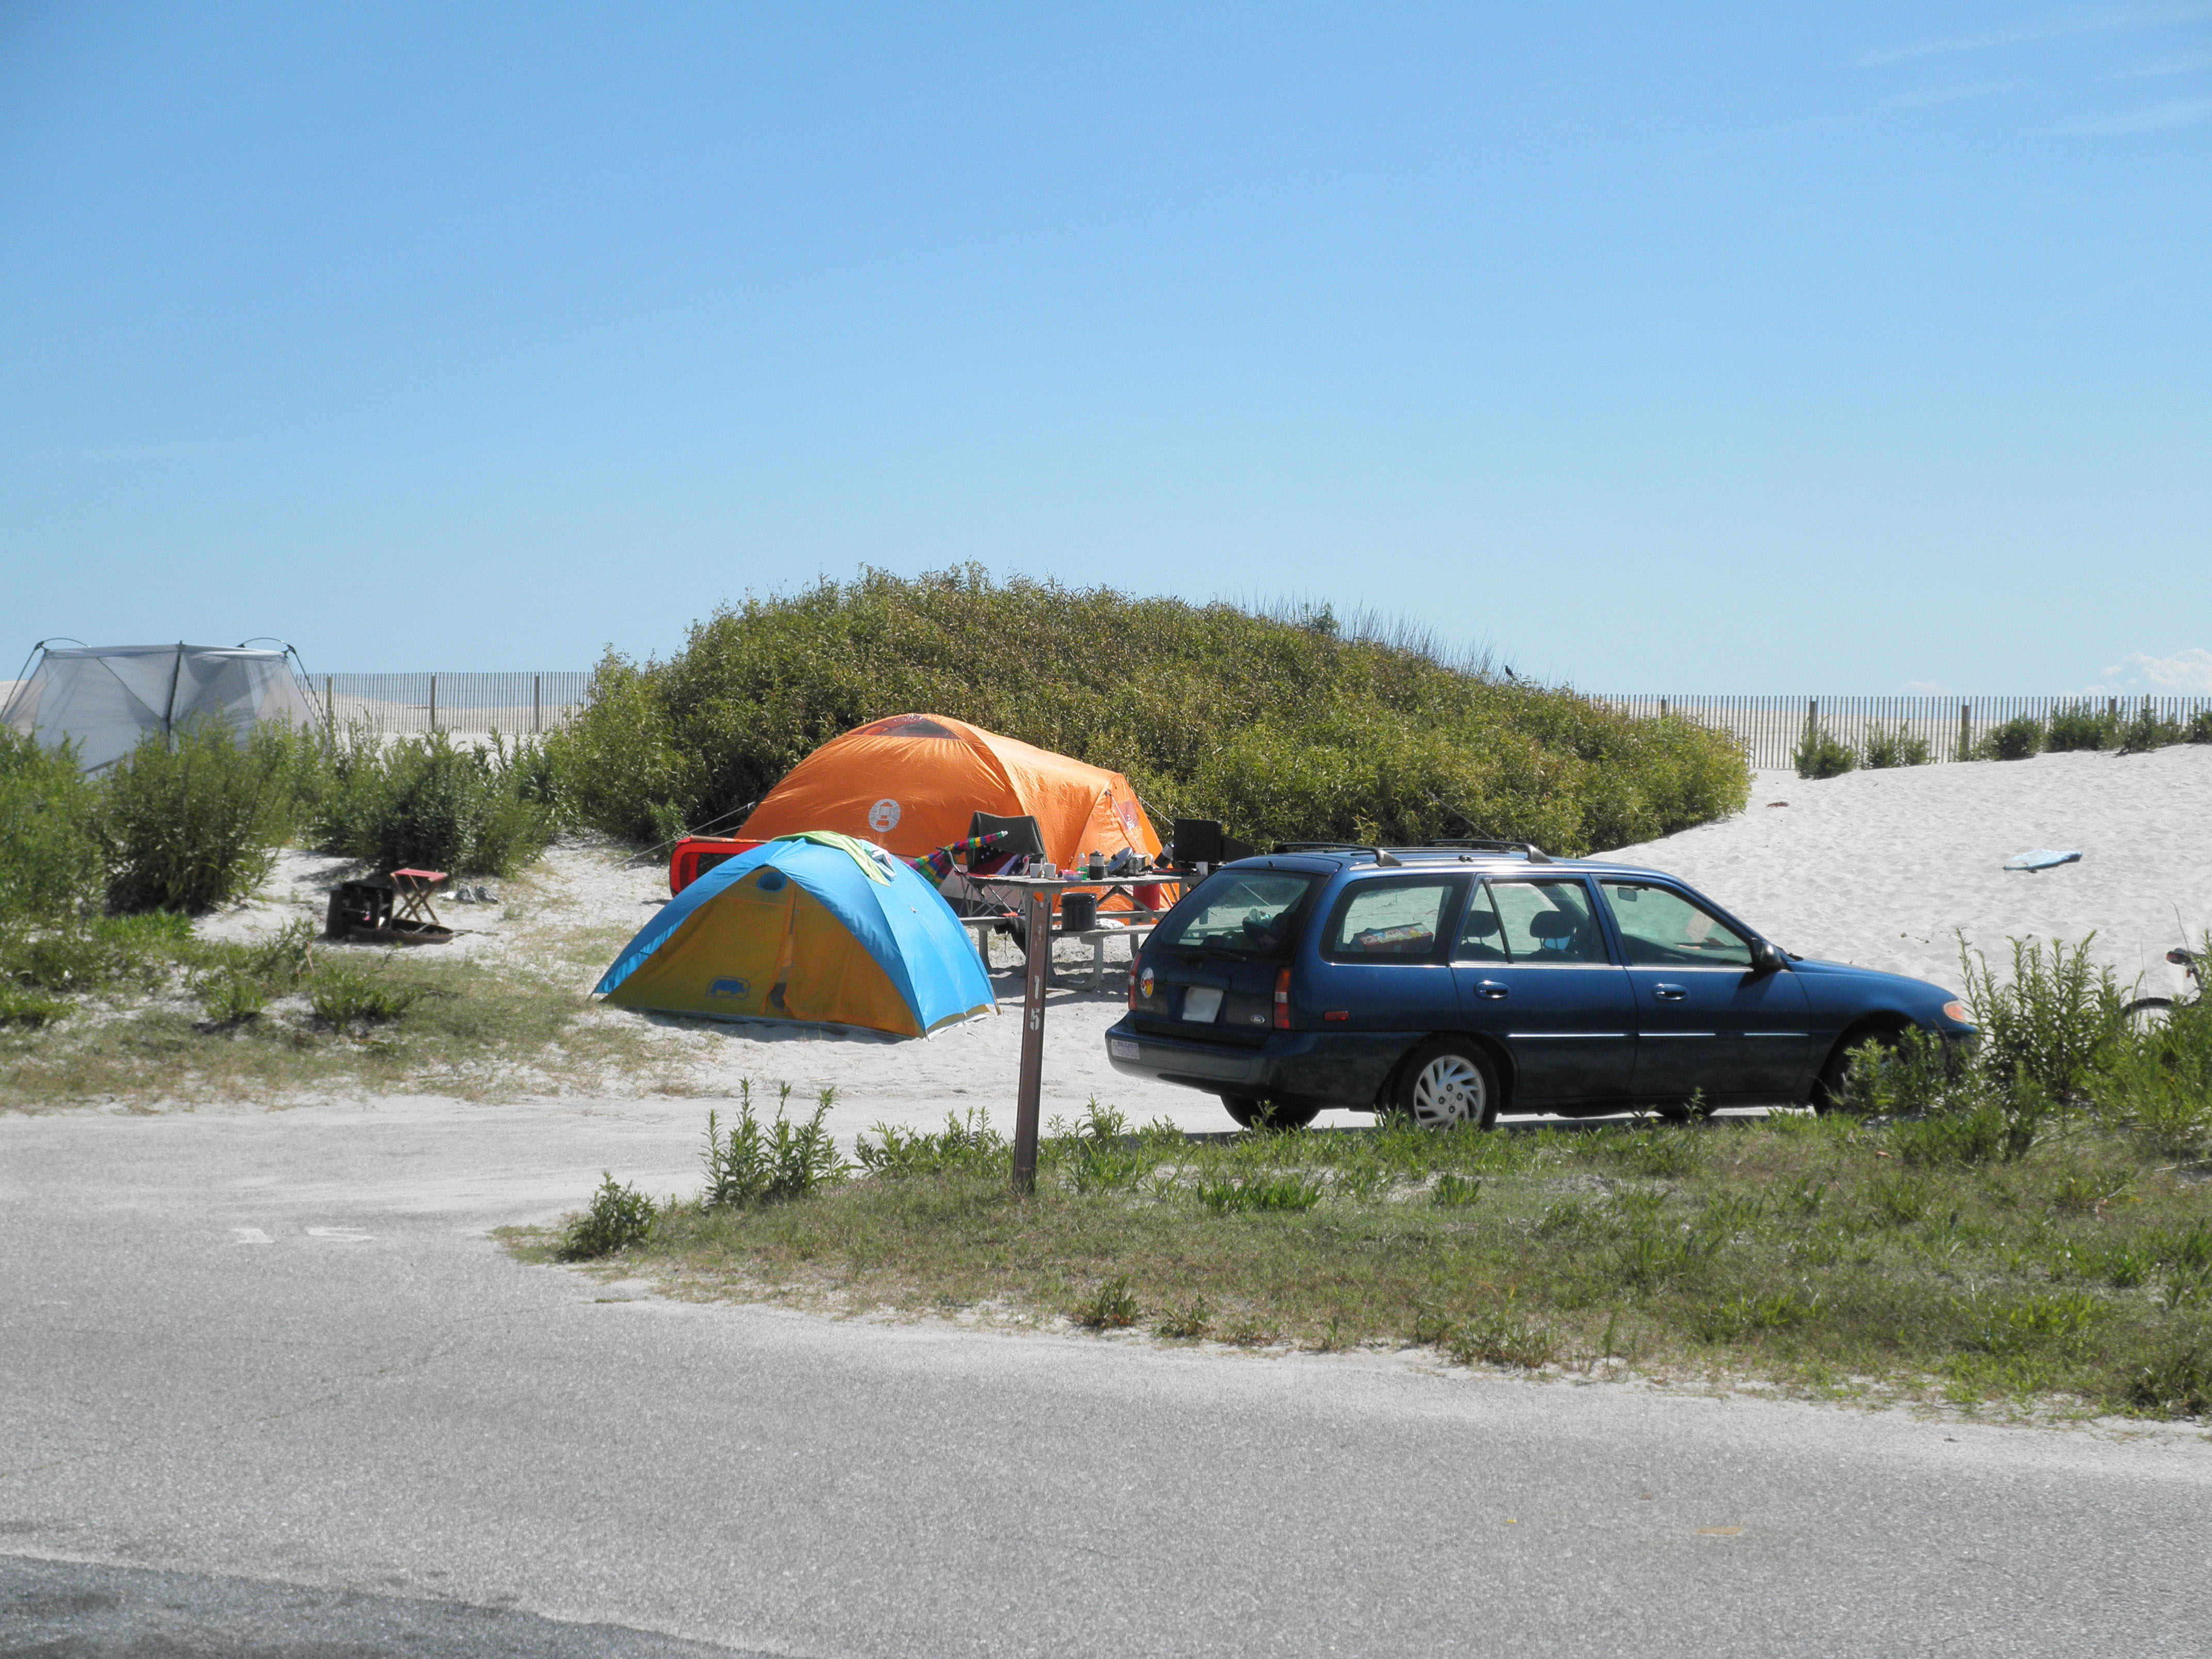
x=1828, y=1087
x=1447, y=1084
x=1269, y=1114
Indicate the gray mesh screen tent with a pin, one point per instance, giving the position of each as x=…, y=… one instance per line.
x=106, y=698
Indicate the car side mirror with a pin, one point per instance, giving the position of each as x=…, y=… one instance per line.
x=1765, y=958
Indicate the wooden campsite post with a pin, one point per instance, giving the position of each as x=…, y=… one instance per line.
x=1037, y=909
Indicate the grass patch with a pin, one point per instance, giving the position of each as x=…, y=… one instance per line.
x=1800, y=1250
x=198, y=1021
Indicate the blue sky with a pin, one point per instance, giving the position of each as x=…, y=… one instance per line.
x=1731, y=347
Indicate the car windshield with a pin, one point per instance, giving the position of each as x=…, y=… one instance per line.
x=1248, y=912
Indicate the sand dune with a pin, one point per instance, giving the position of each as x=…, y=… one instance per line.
x=1879, y=868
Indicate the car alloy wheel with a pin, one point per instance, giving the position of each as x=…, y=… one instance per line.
x=1448, y=1086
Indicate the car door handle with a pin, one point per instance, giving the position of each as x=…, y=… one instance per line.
x=1490, y=990
x=1669, y=992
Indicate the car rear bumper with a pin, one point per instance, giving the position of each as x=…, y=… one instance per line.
x=1340, y=1068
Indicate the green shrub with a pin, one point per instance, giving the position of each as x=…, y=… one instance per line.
x=344, y=993
x=2199, y=728
x=1499, y=1339
x=619, y=1217
x=1111, y=1307
x=2159, y=1081
x=277, y=962
x=1187, y=1323
x=50, y=856
x=1898, y=748
x=2053, y=1025
x=964, y=1143
x=29, y=1008
x=419, y=802
x=2179, y=1381
x=1456, y=1191
x=1973, y=1130
x=1821, y=754
x=1276, y=1190
x=190, y=827
x=1739, y=1316
x=2149, y=729
x=228, y=997
x=1279, y=727
x=2078, y=726
x=2016, y=739
x=97, y=952
x=754, y=1163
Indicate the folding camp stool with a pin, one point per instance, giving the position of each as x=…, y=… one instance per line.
x=412, y=889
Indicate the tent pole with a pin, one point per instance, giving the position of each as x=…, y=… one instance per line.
x=169, y=714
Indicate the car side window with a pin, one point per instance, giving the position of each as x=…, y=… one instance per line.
x=1660, y=928
x=1548, y=922
x=1390, y=921
x=1482, y=936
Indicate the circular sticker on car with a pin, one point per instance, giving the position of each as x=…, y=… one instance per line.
x=1145, y=983
x=883, y=815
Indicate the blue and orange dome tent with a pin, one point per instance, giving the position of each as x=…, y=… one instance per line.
x=815, y=928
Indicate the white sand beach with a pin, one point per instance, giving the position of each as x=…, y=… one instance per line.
x=1882, y=868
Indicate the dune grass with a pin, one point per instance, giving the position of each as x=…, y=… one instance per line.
x=1828, y=1254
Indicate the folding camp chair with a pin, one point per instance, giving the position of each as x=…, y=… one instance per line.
x=411, y=891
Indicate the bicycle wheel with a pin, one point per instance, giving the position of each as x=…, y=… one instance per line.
x=2147, y=1014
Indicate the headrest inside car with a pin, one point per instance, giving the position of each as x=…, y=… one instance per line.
x=1482, y=924
x=1551, y=924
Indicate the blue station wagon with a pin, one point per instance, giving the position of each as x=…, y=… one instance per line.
x=1448, y=982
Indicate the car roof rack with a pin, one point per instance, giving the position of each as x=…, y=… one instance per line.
x=1528, y=850
x=1383, y=855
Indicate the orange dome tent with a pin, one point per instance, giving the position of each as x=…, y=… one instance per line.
x=911, y=783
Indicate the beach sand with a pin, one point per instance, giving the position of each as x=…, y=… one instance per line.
x=1882, y=868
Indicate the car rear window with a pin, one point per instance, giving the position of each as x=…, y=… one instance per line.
x=1389, y=920
x=1246, y=912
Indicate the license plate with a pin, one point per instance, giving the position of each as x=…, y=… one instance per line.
x=1201, y=1003
x=1121, y=1047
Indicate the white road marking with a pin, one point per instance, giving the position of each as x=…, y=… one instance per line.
x=340, y=1235
x=251, y=1235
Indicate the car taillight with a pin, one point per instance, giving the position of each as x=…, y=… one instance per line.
x=1282, y=999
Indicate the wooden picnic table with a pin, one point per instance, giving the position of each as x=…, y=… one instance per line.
x=1133, y=924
